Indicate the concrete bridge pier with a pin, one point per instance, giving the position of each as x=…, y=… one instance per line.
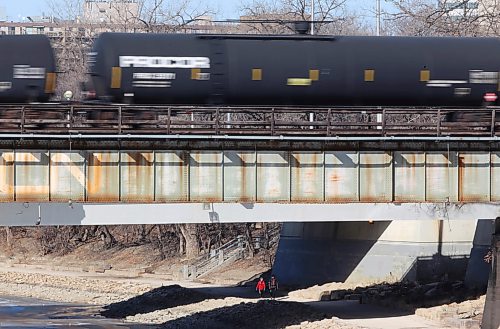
x=491, y=315
x=366, y=252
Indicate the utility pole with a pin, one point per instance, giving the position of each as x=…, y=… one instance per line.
x=378, y=17
x=379, y=115
x=312, y=17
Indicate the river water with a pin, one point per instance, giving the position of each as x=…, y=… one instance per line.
x=31, y=313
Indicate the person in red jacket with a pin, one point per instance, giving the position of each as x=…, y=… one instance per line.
x=261, y=287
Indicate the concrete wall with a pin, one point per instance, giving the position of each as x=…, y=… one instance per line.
x=363, y=252
x=491, y=316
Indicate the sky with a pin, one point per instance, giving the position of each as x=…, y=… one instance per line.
x=17, y=9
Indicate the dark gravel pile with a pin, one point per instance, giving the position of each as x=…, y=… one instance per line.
x=156, y=299
x=263, y=314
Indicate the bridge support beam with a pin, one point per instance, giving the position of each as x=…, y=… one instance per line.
x=491, y=315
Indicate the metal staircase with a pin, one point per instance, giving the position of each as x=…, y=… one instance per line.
x=228, y=253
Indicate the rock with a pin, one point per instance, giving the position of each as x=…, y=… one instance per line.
x=338, y=294
x=355, y=297
x=433, y=292
x=324, y=296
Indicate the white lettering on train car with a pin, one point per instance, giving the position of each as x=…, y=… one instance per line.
x=479, y=76
x=154, y=76
x=5, y=85
x=153, y=80
x=165, y=62
x=91, y=57
x=28, y=72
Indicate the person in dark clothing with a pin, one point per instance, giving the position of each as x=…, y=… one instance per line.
x=273, y=286
x=261, y=287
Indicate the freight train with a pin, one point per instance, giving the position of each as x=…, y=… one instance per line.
x=265, y=70
x=27, y=69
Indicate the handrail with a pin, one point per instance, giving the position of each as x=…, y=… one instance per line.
x=119, y=120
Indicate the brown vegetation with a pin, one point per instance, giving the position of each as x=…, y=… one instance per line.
x=180, y=240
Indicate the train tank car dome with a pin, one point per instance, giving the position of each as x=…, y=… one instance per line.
x=27, y=68
x=294, y=70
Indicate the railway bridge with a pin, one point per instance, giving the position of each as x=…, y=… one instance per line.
x=388, y=193
x=185, y=164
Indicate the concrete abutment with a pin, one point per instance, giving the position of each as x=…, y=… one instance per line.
x=390, y=251
x=491, y=315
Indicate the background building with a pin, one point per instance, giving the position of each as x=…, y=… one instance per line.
x=462, y=8
x=110, y=11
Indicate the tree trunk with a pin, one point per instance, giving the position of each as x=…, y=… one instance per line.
x=182, y=242
x=266, y=236
x=189, y=231
x=109, y=239
x=248, y=234
x=160, y=242
x=9, y=238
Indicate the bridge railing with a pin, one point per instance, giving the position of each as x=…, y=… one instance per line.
x=273, y=121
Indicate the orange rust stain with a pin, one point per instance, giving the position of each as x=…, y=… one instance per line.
x=102, y=182
x=139, y=170
x=7, y=175
x=461, y=174
x=30, y=171
x=246, y=160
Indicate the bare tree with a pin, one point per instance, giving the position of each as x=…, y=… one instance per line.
x=331, y=16
x=190, y=234
x=171, y=16
x=8, y=238
x=446, y=17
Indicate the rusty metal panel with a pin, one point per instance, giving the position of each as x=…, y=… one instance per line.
x=239, y=176
x=32, y=176
x=103, y=176
x=441, y=176
x=409, y=176
x=171, y=176
x=137, y=176
x=474, y=177
x=6, y=176
x=67, y=176
x=205, y=176
x=273, y=176
x=307, y=179
x=341, y=177
x=495, y=176
x=375, y=177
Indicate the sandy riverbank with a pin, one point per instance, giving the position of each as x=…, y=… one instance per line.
x=166, y=304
